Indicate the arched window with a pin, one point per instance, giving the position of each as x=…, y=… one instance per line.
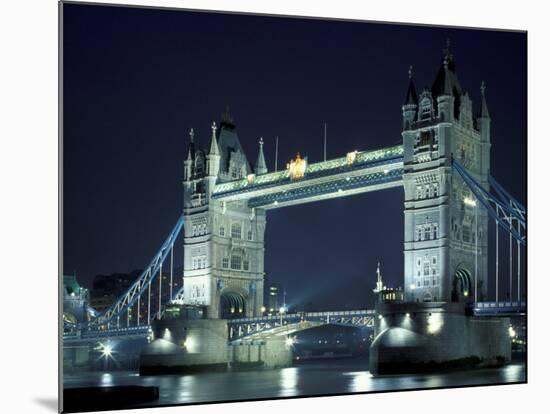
x=435, y=231
x=236, y=230
x=427, y=233
x=236, y=261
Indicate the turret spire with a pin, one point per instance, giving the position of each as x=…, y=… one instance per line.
x=484, y=111
x=191, y=147
x=411, y=98
x=379, y=283
x=214, y=149
x=261, y=167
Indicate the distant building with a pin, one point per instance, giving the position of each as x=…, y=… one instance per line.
x=75, y=300
x=274, y=298
x=107, y=288
x=386, y=294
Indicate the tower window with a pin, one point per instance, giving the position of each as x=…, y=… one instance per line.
x=435, y=231
x=225, y=262
x=236, y=230
x=427, y=233
x=249, y=235
x=222, y=231
x=245, y=265
x=236, y=261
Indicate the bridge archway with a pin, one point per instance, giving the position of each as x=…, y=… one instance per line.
x=233, y=304
x=462, y=284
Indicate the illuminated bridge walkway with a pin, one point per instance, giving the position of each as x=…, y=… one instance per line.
x=357, y=172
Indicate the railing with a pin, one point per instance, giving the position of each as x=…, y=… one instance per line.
x=315, y=170
x=244, y=328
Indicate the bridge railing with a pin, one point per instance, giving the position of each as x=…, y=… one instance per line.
x=315, y=170
x=243, y=328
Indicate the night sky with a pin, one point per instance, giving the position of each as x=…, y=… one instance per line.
x=136, y=80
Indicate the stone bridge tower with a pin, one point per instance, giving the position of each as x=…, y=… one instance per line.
x=440, y=260
x=223, y=242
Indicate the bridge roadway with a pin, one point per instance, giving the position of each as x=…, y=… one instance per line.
x=288, y=323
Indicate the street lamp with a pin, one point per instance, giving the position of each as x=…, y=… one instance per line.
x=472, y=203
x=282, y=311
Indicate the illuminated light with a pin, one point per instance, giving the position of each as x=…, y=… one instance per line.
x=512, y=331
x=250, y=178
x=408, y=315
x=466, y=293
x=282, y=309
x=351, y=157
x=470, y=202
x=386, y=171
x=380, y=317
x=348, y=178
x=263, y=308
x=412, y=286
x=275, y=202
x=435, y=323
x=107, y=351
x=289, y=341
x=297, y=167
x=339, y=190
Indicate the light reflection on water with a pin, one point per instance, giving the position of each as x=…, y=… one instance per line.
x=288, y=382
x=360, y=381
x=314, y=378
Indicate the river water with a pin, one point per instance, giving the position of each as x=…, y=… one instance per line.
x=311, y=378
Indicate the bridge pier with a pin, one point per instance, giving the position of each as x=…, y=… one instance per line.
x=186, y=345
x=435, y=336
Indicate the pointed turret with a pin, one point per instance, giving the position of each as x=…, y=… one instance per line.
x=261, y=167
x=483, y=118
x=483, y=110
x=379, y=283
x=188, y=163
x=412, y=97
x=410, y=105
x=213, y=157
x=446, y=88
x=214, y=149
x=191, y=146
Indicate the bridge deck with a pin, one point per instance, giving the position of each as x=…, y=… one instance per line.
x=363, y=171
x=262, y=326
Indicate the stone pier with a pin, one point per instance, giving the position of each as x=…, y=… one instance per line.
x=422, y=337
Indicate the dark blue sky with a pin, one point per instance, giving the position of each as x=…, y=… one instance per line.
x=136, y=80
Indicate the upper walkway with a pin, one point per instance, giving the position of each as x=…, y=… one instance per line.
x=357, y=172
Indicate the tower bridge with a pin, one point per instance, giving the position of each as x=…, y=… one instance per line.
x=450, y=199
